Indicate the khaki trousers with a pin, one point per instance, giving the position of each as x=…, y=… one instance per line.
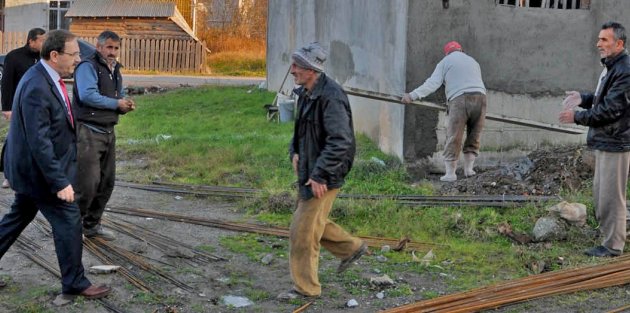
x=609, y=193
x=467, y=111
x=310, y=229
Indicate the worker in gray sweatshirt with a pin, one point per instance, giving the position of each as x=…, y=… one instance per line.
x=466, y=106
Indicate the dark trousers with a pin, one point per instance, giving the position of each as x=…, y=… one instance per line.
x=66, y=227
x=96, y=162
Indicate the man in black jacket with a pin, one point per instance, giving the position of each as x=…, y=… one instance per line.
x=607, y=114
x=322, y=151
x=99, y=99
x=16, y=63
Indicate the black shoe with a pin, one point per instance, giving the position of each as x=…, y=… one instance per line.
x=293, y=294
x=601, y=251
x=98, y=231
x=3, y=283
x=347, y=262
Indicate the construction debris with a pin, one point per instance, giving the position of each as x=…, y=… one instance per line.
x=103, y=269
x=506, y=230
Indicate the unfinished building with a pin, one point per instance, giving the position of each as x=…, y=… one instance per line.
x=530, y=52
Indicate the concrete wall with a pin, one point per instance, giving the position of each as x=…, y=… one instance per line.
x=22, y=15
x=365, y=39
x=528, y=57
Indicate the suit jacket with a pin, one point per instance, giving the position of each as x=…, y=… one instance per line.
x=41, y=145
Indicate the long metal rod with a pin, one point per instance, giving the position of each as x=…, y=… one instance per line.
x=615, y=272
x=259, y=229
x=236, y=192
x=489, y=116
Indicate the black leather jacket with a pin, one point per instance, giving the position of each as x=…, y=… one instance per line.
x=323, y=136
x=608, y=114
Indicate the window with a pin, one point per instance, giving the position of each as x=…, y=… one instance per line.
x=547, y=4
x=57, y=10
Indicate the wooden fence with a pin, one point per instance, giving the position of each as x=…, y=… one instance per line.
x=160, y=55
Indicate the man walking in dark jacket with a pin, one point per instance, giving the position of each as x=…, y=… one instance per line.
x=607, y=113
x=41, y=162
x=16, y=63
x=99, y=99
x=322, y=152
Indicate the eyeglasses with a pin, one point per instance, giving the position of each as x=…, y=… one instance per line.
x=74, y=55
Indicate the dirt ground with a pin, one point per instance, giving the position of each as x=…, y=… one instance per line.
x=239, y=275
x=543, y=172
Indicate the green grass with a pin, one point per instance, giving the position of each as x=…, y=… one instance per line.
x=237, y=63
x=33, y=300
x=220, y=136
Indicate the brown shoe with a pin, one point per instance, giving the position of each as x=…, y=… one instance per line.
x=95, y=292
x=353, y=258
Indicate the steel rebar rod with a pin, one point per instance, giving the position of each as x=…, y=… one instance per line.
x=253, y=228
x=610, y=274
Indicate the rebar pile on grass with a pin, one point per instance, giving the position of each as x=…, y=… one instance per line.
x=28, y=247
x=131, y=277
x=106, y=259
x=112, y=255
x=198, y=190
x=108, y=248
x=164, y=244
x=614, y=273
x=258, y=229
x=501, y=201
x=624, y=308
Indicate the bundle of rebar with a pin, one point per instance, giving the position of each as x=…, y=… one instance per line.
x=260, y=229
x=500, y=201
x=112, y=255
x=614, y=273
x=168, y=246
x=108, y=248
x=28, y=247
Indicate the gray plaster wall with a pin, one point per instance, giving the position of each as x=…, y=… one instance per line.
x=528, y=56
x=365, y=39
x=23, y=15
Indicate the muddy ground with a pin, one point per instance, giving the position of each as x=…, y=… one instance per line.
x=240, y=275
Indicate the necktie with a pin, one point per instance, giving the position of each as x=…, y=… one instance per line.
x=65, y=96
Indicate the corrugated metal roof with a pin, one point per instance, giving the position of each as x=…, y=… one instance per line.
x=121, y=8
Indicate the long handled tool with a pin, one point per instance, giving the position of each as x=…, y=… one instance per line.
x=489, y=116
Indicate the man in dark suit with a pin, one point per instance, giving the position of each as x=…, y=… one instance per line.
x=40, y=161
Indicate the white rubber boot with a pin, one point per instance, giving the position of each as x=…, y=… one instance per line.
x=450, y=167
x=469, y=162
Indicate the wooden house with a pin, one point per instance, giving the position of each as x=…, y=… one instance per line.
x=137, y=19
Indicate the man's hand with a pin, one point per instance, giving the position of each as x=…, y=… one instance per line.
x=66, y=194
x=572, y=101
x=406, y=99
x=318, y=189
x=126, y=105
x=567, y=117
x=295, y=160
x=7, y=115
